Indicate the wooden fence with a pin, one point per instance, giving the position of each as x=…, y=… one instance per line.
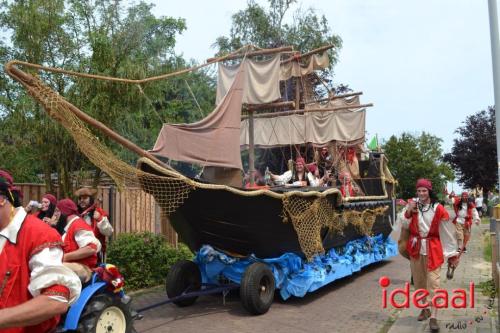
x=130, y=211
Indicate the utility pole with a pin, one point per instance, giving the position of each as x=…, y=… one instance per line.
x=495, y=54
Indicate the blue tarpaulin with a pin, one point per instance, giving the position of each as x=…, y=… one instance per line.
x=294, y=276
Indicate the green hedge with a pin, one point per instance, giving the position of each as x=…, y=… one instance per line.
x=144, y=258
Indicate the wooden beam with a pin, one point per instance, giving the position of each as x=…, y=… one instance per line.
x=336, y=97
x=251, y=150
x=297, y=93
x=253, y=53
x=302, y=111
x=276, y=105
x=233, y=55
x=299, y=56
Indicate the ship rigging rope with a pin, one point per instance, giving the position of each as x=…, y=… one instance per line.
x=130, y=81
x=194, y=97
x=151, y=104
x=324, y=85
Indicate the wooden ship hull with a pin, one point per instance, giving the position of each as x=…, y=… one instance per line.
x=241, y=225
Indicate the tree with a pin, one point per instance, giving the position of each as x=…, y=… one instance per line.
x=256, y=26
x=271, y=28
x=97, y=37
x=32, y=26
x=412, y=157
x=474, y=154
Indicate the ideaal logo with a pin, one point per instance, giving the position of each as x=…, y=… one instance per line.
x=440, y=300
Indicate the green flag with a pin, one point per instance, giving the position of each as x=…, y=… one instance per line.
x=373, y=145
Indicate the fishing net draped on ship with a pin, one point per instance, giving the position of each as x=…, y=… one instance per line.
x=282, y=161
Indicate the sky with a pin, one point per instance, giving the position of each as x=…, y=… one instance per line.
x=425, y=64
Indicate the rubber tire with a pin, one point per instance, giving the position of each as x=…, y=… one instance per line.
x=96, y=306
x=183, y=274
x=254, y=299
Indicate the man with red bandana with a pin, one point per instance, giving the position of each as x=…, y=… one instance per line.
x=298, y=177
x=35, y=287
x=432, y=240
x=80, y=244
x=465, y=213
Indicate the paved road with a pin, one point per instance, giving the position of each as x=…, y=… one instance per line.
x=351, y=305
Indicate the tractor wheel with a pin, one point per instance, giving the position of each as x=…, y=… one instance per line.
x=104, y=314
x=257, y=288
x=183, y=276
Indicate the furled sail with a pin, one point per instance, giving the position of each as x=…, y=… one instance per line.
x=296, y=69
x=347, y=125
x=263, y=76
x=350, y=103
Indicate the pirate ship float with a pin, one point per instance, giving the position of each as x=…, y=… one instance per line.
x=265, y=100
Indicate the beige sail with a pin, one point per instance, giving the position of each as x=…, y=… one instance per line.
x=212, y=141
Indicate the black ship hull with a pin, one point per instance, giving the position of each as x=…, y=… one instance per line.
x=241, y=223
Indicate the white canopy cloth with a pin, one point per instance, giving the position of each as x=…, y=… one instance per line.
x=261, y=80
x=313, y=127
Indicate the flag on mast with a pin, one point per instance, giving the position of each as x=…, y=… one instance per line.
x=373, y=145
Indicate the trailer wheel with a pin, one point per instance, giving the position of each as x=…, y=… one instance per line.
x=105, y=313
x=183, y=276
x=257, y=288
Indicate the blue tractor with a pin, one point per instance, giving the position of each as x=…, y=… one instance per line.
x=99, y=310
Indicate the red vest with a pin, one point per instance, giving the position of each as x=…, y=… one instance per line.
x=349, y=188
x=71, y=245
x=435, y=256
x=33, y=237
x=457, y=206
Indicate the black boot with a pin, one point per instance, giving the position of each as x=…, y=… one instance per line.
x=433, y=325
x=450, y=272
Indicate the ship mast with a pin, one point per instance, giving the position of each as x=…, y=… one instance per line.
x=252, y=109
x=251, y=148
x=296, y=105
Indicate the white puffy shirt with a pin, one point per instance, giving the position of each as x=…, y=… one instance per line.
x=447, y=230
x=104, y=226
x=462, y=214
x=287, y=176
x=45, y=266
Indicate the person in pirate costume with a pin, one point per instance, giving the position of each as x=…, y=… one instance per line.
x=348, y=187
x=299, y=177
x=465, y=214
x=432, y=239
x=324, y=161
x=35, y=287
x=46, y=213
x=95, y=217
x=80, y=244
